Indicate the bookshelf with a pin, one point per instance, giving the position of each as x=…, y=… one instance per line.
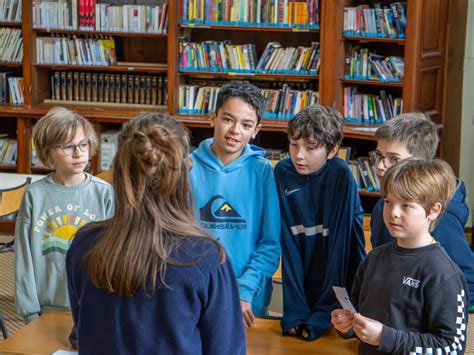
x=423, y=86
x=11, y=70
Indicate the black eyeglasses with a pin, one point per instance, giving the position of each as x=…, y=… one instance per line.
x=69, y=149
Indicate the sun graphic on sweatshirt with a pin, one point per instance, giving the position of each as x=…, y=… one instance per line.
x=59, y=232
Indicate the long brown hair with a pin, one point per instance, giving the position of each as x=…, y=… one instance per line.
x=152, y=211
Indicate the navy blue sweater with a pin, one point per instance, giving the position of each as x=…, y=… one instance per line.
x=322, y=241
x=199, y=311
x=420, y=297
x=449, y=232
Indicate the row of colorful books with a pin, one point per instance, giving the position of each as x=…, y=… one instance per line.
x=217, y=56
x=276, y=58
x=109, y=88
x=10, y=10
x=226, y=57
x=286, y=102
x=383, y=20
x=272, y=13
x=281, y=103
x=11, y=45
x=364, y=65
x=369, y=108
x=76, y=51
x=195, y=99
x=11, y=89
x=8, y=150
x=88, y=15
x=131, y=18
x=363, y=170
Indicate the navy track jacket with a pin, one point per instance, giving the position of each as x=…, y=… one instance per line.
x=322, y=241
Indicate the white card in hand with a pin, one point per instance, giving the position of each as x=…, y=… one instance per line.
x=343, y=298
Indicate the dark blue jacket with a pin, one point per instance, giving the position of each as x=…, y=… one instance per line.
x=322, y=241
x=449, y=233
x=199, y=311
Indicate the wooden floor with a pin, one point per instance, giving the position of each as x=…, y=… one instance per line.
x=15, y=323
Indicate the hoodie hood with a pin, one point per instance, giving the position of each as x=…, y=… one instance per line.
x=207, y=157
x=457, y=206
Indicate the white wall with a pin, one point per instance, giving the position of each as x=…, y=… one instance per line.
x=467, y=128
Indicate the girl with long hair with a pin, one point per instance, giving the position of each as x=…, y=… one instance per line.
x=149, y=280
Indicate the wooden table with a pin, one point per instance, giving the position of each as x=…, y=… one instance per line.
x=50, y=332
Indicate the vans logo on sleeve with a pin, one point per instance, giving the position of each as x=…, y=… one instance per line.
x=289, y=192
x=408, y=281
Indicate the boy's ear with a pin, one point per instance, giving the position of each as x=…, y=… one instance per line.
x=258, y=127
x=212, y=119
x=333, y=152
x=434, y=212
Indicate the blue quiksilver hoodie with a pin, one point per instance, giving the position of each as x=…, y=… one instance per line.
x=238, y=205
x=449, y=232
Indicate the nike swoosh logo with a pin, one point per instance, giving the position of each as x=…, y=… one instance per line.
x=288, y=193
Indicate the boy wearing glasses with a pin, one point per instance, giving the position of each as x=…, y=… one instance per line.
x=54, y=208
x=415, y=135
x=410, y=297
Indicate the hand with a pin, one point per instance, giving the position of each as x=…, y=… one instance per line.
x=368, y=330
x=342, y=319
x=247, y=313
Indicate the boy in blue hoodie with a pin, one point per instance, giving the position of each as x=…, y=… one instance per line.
x=415, y=135
x=322, y=237
x=235, y=197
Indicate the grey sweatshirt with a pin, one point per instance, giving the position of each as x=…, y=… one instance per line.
x=49, y=217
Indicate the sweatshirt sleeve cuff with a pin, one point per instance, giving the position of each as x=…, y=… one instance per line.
x=347, y=335
x=31, y=317
x=245, y=294
x=388, y=340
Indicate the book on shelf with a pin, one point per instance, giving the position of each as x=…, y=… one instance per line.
x=364, y=174
x=275, y=155
x=8, y=150
x=72, y=50
x=280, y=103
x=369, y=108
x=10, y=11
x=109, y=88
x=34, y=155
x=344, y=153
x=265, y=13
x=11, y=89
x=4, y=88
x=131, y=18
x=11, y=45
x=223, y=56
x=108, y=148
x=289, y=60
x=89, y=15
x=360, y=64
x=59, y=14
x=217, y=56
x=384, y=20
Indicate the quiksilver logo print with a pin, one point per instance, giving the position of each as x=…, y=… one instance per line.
x=218, y=213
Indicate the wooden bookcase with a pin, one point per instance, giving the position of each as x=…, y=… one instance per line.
x=423, y=88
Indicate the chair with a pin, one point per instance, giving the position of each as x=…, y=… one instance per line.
x=10, y=201
x=106, y=175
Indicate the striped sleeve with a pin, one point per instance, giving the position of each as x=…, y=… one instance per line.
x=446, y=323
